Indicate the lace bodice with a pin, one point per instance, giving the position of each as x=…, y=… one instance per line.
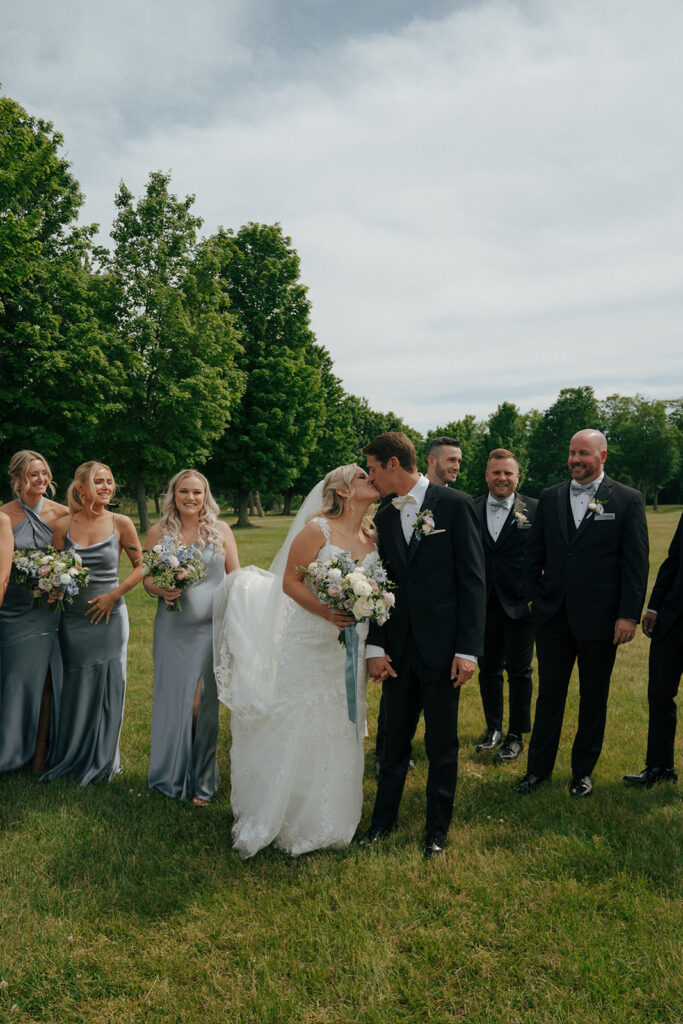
x=328, y=549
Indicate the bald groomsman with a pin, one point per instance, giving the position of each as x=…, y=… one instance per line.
x=585, y=577
x=663, y=623
x=505, y=518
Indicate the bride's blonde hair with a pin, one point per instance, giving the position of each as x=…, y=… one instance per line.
x=333, y=505
x=208, y=526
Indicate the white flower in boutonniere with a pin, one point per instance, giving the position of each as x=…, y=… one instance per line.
x=424, y=524
x=597, y=507
x=520, y=518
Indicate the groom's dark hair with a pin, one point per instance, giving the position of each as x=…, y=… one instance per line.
x=391, y=445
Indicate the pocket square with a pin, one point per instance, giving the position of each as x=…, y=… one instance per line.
x=433, y=532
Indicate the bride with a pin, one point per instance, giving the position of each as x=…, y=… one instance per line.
x=296, y=759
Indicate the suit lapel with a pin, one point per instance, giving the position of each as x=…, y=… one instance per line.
x=483, y=515
x=563, y=509
x=431, y=501
x=602, y=494
x=510, y=523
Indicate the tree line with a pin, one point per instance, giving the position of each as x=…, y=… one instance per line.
x=170, y=349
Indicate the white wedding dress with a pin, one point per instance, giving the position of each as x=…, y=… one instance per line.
x=296, y=759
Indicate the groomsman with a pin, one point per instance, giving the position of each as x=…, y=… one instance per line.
x=585, y=576
x=663, y=623
x=505, y=518
x=444, y=457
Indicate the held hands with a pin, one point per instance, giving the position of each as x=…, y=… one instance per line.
x=462, y=669
x=100, y=607
x=624, y=630
x=380, y=668
x=649, y=622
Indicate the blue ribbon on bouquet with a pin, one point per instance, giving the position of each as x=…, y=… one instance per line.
x=351, y=673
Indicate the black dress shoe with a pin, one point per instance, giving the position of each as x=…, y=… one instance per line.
x=491, y=739
x=650, y=776
x=374, y=834
x=513, y=746
x=529, y=783
x=582, y=786
x=435, y=845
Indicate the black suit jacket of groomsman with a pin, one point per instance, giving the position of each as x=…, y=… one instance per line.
x=440, y=588
x=599, y=571
x=504, y=557
x=667, y=594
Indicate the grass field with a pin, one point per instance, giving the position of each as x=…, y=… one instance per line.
x=118, y=905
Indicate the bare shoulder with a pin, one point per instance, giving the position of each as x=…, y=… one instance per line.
x=153, y=535
x=13, y=511
x=125, y=527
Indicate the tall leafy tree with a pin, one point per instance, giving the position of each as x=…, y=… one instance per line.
x=574, y=409
x=173, y=339
x=54, y=374
x=643, y=443
x=273, y=431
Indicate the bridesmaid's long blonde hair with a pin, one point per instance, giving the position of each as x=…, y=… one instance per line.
x=208, y=527
x=18, y=468
x=84, y=477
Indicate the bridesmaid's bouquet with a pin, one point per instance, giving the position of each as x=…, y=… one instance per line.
x=363, y=591
x=173, y=566
x=53, y=575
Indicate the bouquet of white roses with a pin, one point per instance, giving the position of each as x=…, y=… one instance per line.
x=361, y=590
x=173, y=566
x=55, y=575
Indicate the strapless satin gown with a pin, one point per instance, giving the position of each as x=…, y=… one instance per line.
x=94, y=688
x=29, y=648
x=184, y=765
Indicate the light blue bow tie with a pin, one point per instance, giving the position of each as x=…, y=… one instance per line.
x=581, y=489
x=497, y=504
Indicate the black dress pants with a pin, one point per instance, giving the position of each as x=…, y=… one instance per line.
x=666, y=667
x=418, y=685
x=557, y=651
x=509, y=645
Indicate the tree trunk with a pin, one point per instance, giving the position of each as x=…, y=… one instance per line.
x=242, y=506
x=655, y=500
x=251, y=504
x=156, y=503
x=259, y=506
x=142, y=505
x=287, y=502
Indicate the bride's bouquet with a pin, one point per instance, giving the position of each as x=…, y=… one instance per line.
x=363, y=591
x=53, y=575
x=173, y=566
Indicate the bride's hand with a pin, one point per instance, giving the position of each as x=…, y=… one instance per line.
x=340, y=619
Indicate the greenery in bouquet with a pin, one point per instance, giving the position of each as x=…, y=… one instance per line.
x=173, y=566
x=52, y=576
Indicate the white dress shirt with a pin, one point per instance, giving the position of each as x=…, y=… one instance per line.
x=496, y=515
x=581, y=500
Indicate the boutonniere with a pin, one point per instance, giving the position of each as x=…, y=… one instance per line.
x=520, y=518
x=424, y=524
x=598, y=507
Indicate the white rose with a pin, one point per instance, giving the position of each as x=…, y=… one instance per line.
x=74, y=571
x=44, y=584
x=45, y=559
x=173, y=562
x=334, y=575
x=388, y=599
x=362, y=608
x=157, y=548
x=59, y=567
x=362, y=588
x=65, y=578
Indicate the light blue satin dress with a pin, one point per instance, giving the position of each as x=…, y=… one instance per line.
x=29, y=649
x=182, y=760
x=94, y=687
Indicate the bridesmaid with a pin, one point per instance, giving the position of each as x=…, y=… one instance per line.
x=94, y=631
x=31, y=671
x=6, y=551
x=185, y=708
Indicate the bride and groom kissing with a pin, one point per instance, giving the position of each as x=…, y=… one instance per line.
x=296, y=758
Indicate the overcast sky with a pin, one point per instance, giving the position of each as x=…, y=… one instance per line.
x=487, y=198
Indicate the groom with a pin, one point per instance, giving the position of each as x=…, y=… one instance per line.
x=430, y=543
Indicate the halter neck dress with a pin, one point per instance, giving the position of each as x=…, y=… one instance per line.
x=29, y=650
x=94, y=688
x=183, y=761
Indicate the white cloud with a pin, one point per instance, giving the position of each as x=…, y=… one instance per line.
x=487, y=206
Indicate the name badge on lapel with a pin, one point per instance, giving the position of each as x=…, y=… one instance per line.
x=604, y=517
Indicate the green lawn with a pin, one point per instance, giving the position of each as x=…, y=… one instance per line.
x=117, y=905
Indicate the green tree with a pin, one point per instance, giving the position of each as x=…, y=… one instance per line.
x=274, y=429
x=173, y=340
x=643, y=443
x=54, y=375
x=573, y=410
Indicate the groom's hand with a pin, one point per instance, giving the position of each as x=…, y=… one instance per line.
x=462, y=669
x=380, y=668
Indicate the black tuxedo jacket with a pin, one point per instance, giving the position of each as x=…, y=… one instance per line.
x=598, y=571
x=667, y=594
x=440, y=585
x=504, y=558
